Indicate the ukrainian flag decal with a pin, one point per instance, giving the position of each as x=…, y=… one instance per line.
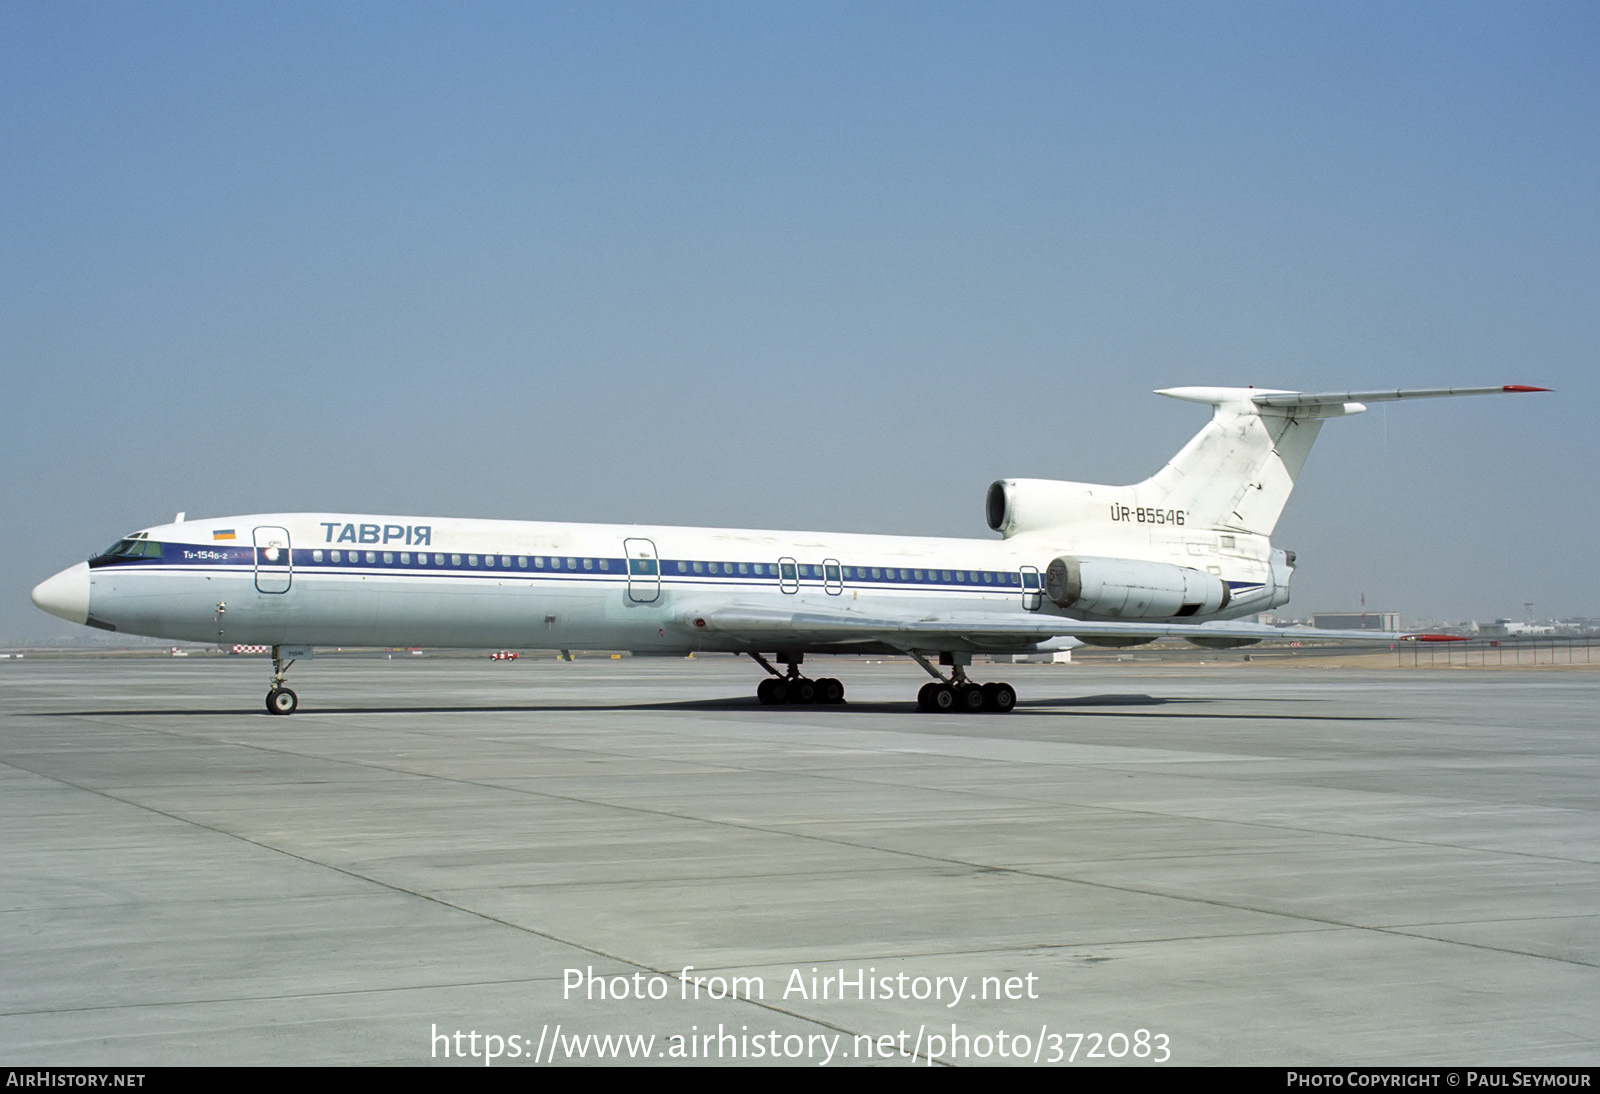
x=222, y=533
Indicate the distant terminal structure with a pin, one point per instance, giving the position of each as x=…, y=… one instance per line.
x=1508, y=628
x=1357, y=621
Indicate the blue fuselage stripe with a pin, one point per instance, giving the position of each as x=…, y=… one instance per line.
x=210, y=558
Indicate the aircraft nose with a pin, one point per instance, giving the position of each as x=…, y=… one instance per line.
x=66, y=595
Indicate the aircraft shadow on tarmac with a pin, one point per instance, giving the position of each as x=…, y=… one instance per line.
x=1115, y=706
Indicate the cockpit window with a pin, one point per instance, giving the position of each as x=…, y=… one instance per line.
x=136, y=546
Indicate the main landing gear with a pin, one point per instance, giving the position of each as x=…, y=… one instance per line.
x=280, y=700
x=791, y=688
x=958, y=695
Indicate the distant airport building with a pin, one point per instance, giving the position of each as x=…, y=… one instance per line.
x=1506, y=628
x=1357, y=621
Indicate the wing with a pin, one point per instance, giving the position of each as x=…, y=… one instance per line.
x=766, y=628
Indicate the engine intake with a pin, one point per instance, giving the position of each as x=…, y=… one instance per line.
x=1126, y=589
x=1016, y=506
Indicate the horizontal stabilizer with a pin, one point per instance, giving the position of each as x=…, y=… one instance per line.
x=1328, y=398
x=1274, y=397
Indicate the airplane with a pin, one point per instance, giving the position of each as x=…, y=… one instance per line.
x=1186, y=553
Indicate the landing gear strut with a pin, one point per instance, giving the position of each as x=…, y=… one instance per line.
x=958, y=695
x=280, y=700
x=792, y=688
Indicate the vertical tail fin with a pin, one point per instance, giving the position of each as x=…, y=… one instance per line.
x=1236, y=473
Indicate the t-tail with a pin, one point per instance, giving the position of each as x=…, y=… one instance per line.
x=1192, y=540
x=1234, y=476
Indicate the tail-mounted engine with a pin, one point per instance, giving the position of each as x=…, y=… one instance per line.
x=1015, y=506
x=1126, y=589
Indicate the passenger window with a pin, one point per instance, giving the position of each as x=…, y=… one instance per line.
x=388, y=558
x=372, y=556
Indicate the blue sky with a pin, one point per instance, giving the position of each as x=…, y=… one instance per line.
x=803, y=265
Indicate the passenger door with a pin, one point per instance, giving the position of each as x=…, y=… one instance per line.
x=1032, y=588
x=274, y=563
x=644, y=571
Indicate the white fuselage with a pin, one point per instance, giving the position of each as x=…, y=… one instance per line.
x=339, y=579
